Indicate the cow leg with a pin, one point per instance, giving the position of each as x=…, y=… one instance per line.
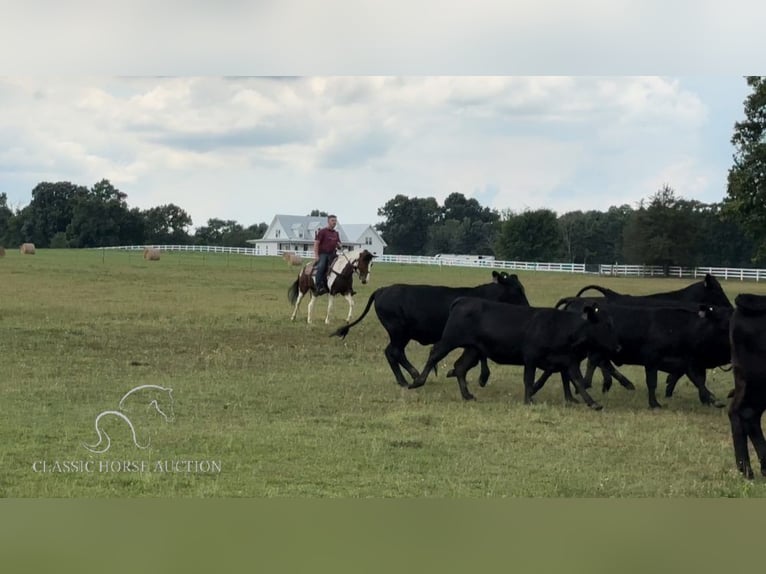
x=529, y=383
x=393, y=351
x=330, y=302
x=568, y=397
x=405, y=362
x=575, y=374
x=697, y=376
x=297, y=304
x=467, y=360
x=590, y=369
x=438, y=352
x=670, y=383
x=611, y=371
x=755, y=432
x=463, y=363
x=484, y=374
x=651, y=387
x=739, y=430
x=350, y=300
x=541, y=381
x=476, y=359
x=739, y=438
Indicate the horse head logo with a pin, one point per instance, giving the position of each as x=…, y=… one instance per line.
x=153, y=396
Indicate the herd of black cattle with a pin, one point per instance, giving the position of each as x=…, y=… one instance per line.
x=683, y=332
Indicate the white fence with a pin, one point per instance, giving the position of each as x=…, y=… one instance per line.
x=654, y=271
x=740, y=274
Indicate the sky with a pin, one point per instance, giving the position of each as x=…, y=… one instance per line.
x=242, y=110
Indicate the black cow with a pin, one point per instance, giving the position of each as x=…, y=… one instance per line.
x=708, y=291
x=419, y=313
x=677, y=340
x=748, y=357
x=537, y=338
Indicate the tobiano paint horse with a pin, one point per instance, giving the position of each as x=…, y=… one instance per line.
x=340, y=281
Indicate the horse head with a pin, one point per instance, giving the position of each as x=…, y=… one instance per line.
x=363, y=264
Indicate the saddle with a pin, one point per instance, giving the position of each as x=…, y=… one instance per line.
x=311, y=270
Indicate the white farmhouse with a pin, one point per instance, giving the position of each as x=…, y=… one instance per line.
x=296, y=233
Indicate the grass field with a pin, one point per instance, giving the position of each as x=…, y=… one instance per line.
x=266, y=407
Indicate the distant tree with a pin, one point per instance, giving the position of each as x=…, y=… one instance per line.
x=6, y=214
x=317, y=213
x=406, y=223
x=50, y=210
x=101, y=217
x=167, y=224
x=746, y=188
x=529, y=236
x=458, y=207
x=228, y=233
x=660, y=231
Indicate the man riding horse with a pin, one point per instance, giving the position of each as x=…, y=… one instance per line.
x=326, y=242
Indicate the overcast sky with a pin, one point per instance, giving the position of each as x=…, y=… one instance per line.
x=243, y=109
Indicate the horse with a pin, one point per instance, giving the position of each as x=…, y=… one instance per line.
x=159, y=396
x=339, y=282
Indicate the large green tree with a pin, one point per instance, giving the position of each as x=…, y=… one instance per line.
x=529, y=236
x=102, y=218
x=167, y=225
x=746, y=189
x=406, y=223
x=661, y=231
x=50, y=210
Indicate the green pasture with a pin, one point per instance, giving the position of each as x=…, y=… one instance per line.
x=265, y=407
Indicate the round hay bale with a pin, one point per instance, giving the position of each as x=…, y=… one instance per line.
x=27, y=249
x=295, y=260
x=151, y=254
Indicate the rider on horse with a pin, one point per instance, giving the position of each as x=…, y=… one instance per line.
x=327, y=240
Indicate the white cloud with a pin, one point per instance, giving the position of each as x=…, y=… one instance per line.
x=246, y=148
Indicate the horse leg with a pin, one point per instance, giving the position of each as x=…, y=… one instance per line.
x=330, y=302
x=350, y=300
x=297, y=304
x=311, y=306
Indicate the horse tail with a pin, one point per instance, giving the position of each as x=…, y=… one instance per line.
x=343, y=331
x=292, y=292
x=603, y=290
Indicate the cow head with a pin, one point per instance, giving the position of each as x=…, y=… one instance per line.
x=714, y=293
x=602, y=335
x=512, y=289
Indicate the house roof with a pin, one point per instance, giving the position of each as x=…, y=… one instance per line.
x=356, y=230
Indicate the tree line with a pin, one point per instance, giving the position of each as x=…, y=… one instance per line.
x=63, y=214
x=664, y=229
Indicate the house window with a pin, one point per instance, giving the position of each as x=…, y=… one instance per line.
x=278, y=233
x=368, y=240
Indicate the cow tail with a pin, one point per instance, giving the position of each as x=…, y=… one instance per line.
x=343, y=331
x=603, y=290
x=292, y=293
